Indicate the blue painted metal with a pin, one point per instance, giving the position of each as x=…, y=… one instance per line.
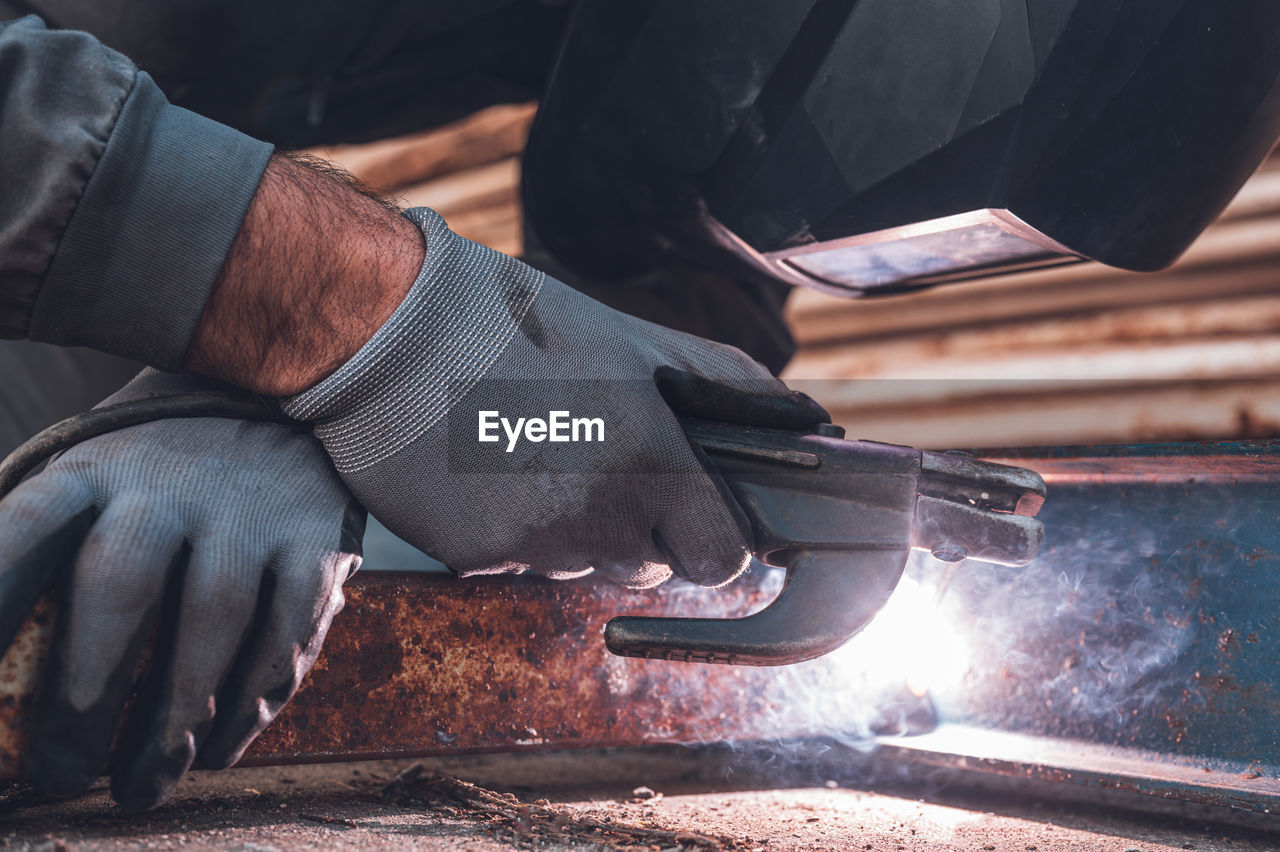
x=1141, y=649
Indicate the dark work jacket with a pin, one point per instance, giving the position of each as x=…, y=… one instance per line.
x=118, y=205
x=121, y=191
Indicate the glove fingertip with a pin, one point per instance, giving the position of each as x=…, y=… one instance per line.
x=637, y=574
x=233, y=733
x=809, y=409
x=147, y=780
x=757, y=401
x=714, y=561
x=216, y=756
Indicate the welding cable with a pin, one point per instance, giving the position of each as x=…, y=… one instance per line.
x=81, y=427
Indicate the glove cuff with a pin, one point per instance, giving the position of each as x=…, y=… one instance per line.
x=458, y=318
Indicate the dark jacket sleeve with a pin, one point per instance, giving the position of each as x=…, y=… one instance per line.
x=117, y=208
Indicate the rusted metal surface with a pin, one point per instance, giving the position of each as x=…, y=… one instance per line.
x=18, y=672
x=1138, y=653
x=492, y=664
x=429, y=665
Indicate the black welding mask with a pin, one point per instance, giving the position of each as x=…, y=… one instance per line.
x=865, y=146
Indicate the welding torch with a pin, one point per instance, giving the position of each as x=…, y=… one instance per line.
x=840, y=516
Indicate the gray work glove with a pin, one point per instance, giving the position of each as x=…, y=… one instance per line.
x=482, y=332
x=230, y=540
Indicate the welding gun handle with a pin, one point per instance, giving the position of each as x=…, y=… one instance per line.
x=841, y=517
x=829, y=596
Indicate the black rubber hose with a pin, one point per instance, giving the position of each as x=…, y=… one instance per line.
x=99, y=421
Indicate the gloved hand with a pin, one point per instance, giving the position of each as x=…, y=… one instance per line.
x=482, y=332
x=230, y=540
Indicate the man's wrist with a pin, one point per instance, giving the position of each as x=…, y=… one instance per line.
x=461, y=313
x=317, y=267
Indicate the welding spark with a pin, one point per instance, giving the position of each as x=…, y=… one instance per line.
x=913, y=640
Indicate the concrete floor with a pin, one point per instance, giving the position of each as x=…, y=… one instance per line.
x=584, y=801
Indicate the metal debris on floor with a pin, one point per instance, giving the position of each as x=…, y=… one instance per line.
x=535, y=823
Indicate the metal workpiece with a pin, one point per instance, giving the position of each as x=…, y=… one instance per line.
x=1135, y=655
x=1078, y=771
x=841, y=516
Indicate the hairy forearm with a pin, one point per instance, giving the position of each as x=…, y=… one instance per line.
x=318, y=266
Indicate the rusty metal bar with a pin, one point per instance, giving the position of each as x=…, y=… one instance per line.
x=421, y=664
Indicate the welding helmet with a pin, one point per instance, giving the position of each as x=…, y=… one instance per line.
x=864, y=146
